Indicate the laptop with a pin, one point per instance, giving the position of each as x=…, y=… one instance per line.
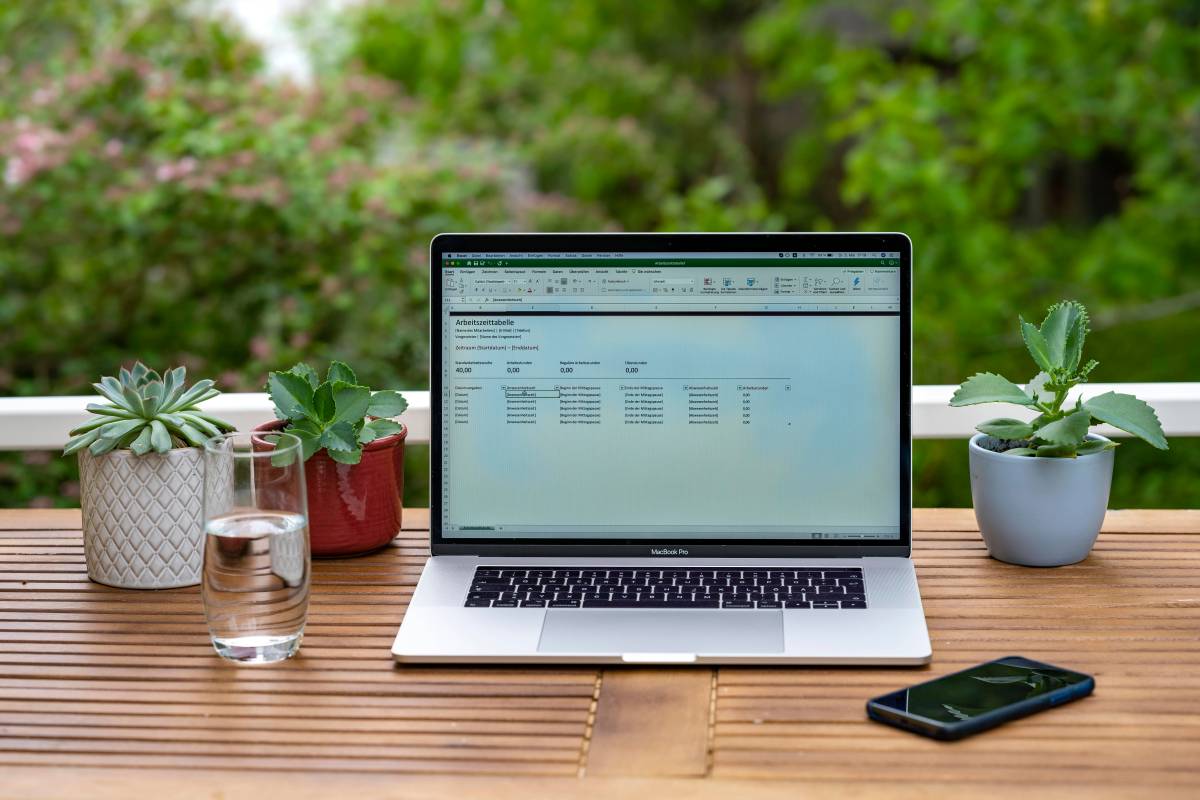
x=669, y=449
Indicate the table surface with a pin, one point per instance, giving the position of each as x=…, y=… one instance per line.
x=105, y=692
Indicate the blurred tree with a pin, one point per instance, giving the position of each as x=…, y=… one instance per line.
x=1032, y=150
x=583, y=91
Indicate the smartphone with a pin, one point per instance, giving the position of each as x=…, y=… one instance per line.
x=981, y=697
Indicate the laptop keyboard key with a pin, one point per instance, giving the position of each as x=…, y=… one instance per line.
x=492, y=587
x=478, y=603
x=853, y=604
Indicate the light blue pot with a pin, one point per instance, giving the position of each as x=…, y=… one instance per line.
x=1039, y=512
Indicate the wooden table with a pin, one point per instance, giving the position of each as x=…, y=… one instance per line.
x=110, y=693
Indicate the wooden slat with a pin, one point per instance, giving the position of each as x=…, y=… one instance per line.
x=651, y=723
x=118, y=693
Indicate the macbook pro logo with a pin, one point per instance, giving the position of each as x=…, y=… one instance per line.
x=668, y=551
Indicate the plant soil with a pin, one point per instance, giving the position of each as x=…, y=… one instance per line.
x=1002, y=445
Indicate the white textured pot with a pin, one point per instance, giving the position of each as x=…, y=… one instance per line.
x=1039, y=512
x=143, y=517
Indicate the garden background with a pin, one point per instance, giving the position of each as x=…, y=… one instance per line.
x=168, y=196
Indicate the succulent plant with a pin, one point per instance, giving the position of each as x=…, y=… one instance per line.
x=1057, y=348
x=147, y=412
x=332, y=414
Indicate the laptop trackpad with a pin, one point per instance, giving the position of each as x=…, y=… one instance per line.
x=661, y=631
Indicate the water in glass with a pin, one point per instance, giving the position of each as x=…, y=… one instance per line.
x=256, y=577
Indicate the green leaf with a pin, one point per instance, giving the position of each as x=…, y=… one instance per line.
x=101, y=446
x=351, y=402
x=1095, y=446
x=308, y=373
x=1056, y=328
x=1076, y=335
x=113, y=392
x=89, y=426
x=1006, y=428
x=291, y=394
x=1021, y=451
x=338, y=371
x=323, y=402
x=984, y=387
x=1036, y=344
x=80, y=442
x=309, y=436
x=197, y=421
x=191, y=435
x=160, y=439
x=141, y=445
x=340, y=436
x=1130, y=414
x=109, y=411
x=112, y=433
x=377, y=429
x=1068, y=431
x=1057, y=451
x=387, y=403
x=216, y=422
x=173, y=384
x=346, y=456
x=197, y=394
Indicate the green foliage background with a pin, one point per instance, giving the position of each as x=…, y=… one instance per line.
x=164, y=198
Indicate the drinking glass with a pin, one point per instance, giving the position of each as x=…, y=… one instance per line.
x=256, y=555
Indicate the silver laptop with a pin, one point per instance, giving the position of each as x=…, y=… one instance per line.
x=669, y=449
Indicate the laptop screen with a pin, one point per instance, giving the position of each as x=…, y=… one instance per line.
x=670, y=395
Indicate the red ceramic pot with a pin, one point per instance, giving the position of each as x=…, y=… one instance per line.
x=353, y=508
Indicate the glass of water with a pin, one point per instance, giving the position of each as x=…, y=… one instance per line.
x=256, y=557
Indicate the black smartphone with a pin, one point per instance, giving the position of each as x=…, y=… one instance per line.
x=981, y=697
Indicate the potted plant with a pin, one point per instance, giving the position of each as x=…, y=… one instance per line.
x=354, y=454
x=141, y=476
x=1040, y=486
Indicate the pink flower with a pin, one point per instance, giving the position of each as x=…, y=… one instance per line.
x=260, y=347
x=113, y=148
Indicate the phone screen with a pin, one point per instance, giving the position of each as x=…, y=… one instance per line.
x=981, y=689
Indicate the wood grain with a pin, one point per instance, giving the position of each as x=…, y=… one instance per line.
x=111, y=693
x=652, y=723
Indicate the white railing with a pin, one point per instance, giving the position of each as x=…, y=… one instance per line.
x=41, y=423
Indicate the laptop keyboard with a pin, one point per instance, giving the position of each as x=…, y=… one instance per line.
x=691, y=587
